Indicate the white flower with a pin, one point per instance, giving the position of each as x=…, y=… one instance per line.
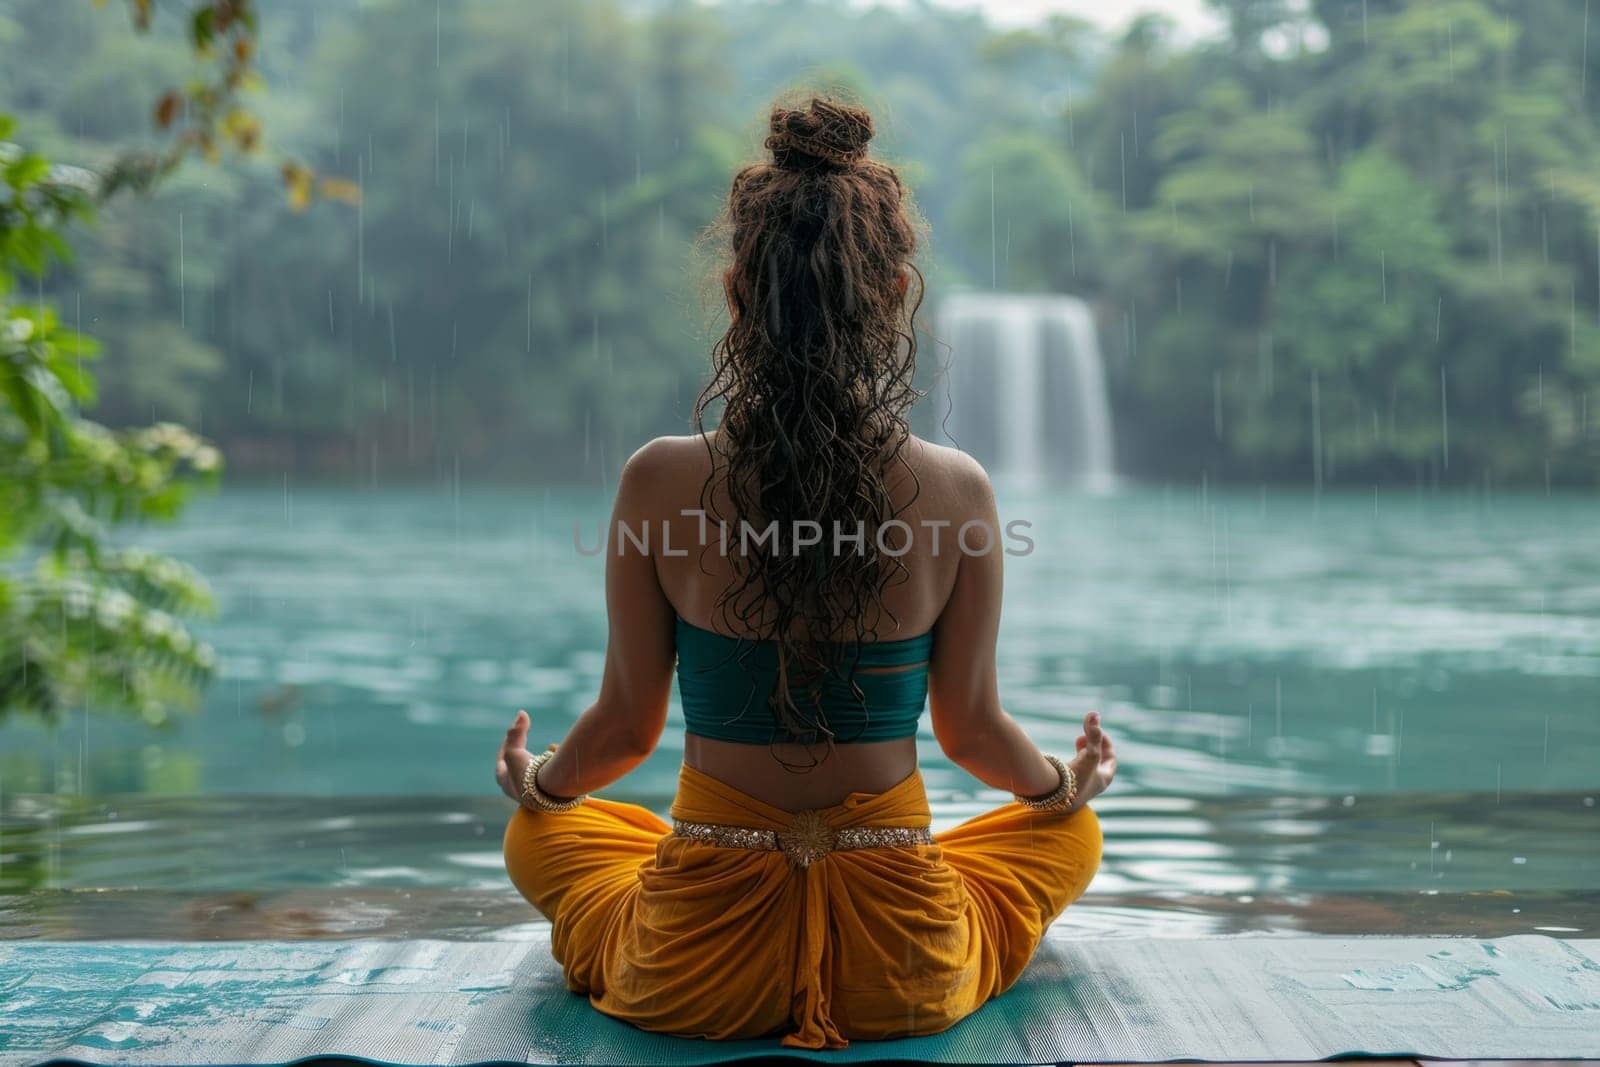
x=77, y=600
x=113, y=608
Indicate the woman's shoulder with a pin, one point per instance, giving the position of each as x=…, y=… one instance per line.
x=948, y=474
x=666, y=471
x=667, y=457
x=663, y=473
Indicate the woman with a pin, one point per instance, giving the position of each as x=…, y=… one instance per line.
x=816, y=573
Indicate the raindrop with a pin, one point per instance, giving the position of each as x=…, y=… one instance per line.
x=1444, y=415
x=994, y=259
x=1123, y=150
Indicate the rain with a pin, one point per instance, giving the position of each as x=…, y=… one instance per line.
x=1278, y=323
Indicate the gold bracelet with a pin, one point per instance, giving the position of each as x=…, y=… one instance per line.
x=1059, y=798
x=537, y=798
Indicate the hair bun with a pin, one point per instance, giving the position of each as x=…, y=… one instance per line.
x=824, y=135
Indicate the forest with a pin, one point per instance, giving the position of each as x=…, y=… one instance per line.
x=1345, y=242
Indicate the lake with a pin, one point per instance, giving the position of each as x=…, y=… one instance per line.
x=1335, y=710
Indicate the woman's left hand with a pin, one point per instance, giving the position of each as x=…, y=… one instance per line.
x=512, y=761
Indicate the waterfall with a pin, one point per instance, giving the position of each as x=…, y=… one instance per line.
x=1025, y=390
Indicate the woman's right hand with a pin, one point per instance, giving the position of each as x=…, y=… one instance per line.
x=1095, y=764
x=512, y=759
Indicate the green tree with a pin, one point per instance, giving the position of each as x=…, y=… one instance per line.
x=1025, y=203
x=79, y=619
x=84, y=620
x=1357, y=322
x=1366, y=258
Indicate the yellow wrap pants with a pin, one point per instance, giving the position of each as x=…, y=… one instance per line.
x=690, y=938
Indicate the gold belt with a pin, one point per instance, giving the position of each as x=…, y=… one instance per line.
x=807, y=838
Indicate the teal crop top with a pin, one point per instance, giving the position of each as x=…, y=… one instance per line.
x=725, y=685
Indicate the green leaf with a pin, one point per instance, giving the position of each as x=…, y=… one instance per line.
x=202, y=27
x=26, y=170
x=75, y=379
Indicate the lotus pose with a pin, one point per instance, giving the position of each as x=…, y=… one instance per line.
x=816, y=575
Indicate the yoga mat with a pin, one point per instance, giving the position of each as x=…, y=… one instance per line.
x=440, y=1002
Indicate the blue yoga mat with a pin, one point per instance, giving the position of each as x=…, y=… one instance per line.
x=440, y=1002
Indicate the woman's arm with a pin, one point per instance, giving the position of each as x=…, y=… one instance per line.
x=974, y=731
x=621, y=728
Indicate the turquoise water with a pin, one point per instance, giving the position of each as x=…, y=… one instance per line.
x=1336, y=693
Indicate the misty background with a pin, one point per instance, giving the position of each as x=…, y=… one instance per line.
x=1350, y=243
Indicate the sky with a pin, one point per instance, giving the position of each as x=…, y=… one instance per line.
x=1193, y=17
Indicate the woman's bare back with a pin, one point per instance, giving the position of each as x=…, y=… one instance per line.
x=930, y=489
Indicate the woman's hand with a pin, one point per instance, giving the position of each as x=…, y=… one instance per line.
x=1095, y=764
x=512, y=761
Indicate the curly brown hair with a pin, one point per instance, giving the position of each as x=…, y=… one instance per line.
x=814, y=373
